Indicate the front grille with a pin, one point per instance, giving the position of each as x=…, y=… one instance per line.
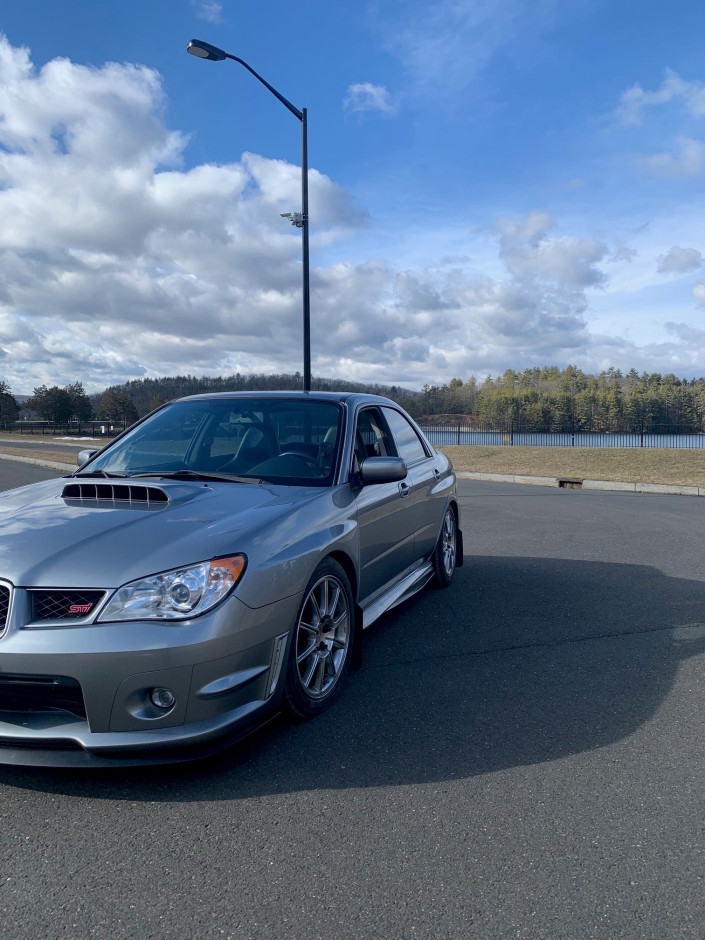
x=64, y=605
x=4, y=607
x=122, y=493
x=26, y=693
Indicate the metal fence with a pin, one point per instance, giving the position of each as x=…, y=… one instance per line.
x=459, y=434
x=492, y=435
x=72, y=429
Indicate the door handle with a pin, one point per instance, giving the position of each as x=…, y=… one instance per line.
x=404, y=490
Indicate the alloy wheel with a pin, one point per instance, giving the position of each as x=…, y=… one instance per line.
x=323, y=637
x=448, y=542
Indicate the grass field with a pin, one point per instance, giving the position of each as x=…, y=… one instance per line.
x=627, y=464
x=52, y=456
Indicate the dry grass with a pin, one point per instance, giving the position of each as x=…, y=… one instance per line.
x=627, y=464
x=53, y=456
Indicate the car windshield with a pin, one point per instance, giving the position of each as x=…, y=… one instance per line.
x=286, y=441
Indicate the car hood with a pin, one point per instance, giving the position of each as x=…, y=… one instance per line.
x=52, y=541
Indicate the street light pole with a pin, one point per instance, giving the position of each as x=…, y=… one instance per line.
x=304, y=251
x=204, y=50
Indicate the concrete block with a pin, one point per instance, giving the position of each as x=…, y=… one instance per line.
x=536, y=481
x=667, y=489
x=609, y=485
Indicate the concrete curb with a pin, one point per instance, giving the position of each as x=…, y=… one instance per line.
x=657, y=488
x=35, y=461
x=507, y=478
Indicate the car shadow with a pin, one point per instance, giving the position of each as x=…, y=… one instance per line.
x=521, y=661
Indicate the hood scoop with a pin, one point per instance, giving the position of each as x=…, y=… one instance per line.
x=117, y=495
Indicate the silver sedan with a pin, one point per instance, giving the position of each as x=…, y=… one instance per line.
x=214, y=564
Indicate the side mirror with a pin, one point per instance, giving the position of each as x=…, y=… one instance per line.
x=382, y=470
x=84, y=456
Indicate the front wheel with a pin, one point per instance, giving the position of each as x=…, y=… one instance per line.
x=321, y=643
x=445, y=552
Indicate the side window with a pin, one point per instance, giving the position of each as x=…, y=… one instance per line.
x=371, y=436
x=409, y=445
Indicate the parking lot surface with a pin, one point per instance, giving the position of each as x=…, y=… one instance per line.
x=520, y=756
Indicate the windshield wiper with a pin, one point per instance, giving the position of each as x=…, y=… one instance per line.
x=98, y=473
x=196, y=475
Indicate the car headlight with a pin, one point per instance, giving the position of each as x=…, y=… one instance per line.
x=178, y=594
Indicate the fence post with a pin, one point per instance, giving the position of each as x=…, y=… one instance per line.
x=642, y=436
x=458, y=433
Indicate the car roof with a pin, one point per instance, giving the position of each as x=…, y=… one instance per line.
x=351, y=398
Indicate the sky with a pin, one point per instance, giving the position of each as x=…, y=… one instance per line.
x=494, y=184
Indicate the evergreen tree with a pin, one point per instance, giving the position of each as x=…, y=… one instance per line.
x=51, y=404
x=9, y=409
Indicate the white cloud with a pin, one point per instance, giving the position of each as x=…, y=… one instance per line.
x=446, y=44
x=699, y=295
x=116, y=262
x=453, y=319
x=680, y=260
x=635, y=101
x=209, y=10
x=530, y=254
x=364, y=96
x=622, y=252
x=687, y=159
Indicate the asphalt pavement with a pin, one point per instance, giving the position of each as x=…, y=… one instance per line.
x=521, y=755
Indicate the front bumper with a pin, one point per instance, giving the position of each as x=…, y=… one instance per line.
x=223, y=669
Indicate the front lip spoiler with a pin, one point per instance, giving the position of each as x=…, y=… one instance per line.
x=65, y=753
x=71, y=744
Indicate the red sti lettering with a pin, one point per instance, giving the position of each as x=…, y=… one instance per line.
x=80, y=608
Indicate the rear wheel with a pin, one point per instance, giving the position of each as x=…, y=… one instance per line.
x=322, y=642
x=444, y=554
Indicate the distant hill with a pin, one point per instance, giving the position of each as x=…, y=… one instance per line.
x=147, y=394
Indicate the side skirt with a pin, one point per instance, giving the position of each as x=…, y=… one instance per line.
x=400, y=592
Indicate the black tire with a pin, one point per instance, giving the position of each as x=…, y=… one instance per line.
x=321, y=644
x=446, y=550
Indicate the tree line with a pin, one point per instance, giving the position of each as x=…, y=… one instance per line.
x=148, y=394
x=69, y=404
x=537, y=399
x=567, y=400
x=123, y=404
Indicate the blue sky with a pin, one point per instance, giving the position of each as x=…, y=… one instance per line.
x=493, y=185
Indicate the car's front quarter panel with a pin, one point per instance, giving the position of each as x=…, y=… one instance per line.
x=283, y=554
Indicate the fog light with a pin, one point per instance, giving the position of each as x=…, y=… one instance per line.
x=162, y=698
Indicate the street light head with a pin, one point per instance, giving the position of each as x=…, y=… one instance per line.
x=204, y=50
